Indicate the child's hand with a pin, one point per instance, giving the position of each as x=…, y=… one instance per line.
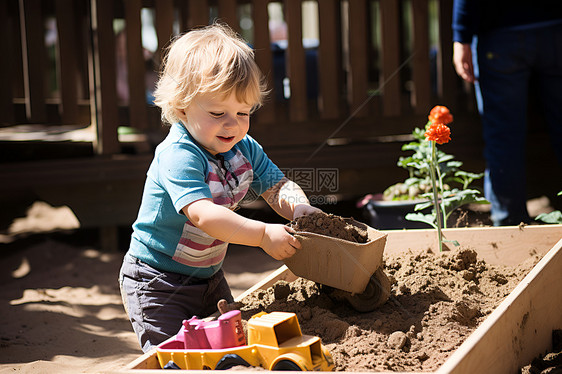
x=278, y=242
x=304, y=210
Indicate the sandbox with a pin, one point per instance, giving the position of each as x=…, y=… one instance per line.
x=517, y=331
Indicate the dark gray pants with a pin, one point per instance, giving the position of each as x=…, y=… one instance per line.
x=157, y=302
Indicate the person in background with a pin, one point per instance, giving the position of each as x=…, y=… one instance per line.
x=500, y=46
x=207, y=90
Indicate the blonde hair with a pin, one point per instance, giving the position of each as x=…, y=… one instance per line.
x=212, y=59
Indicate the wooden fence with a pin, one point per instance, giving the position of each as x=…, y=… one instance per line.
x=350, y=80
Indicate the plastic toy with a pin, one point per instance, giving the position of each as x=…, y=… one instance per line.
x=275, y=342
x=225, y=332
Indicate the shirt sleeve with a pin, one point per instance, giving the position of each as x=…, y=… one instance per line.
x=182, y=171
x=266, y=173
x=465, y=20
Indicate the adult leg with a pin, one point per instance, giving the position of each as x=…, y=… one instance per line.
x=502, y=89
x=548, y=68
x=548, y=73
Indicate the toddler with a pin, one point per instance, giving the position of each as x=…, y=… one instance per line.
x=207, y=164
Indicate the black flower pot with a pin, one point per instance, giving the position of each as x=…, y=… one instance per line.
x=391, y=215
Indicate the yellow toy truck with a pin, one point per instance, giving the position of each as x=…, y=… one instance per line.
x=275, y=342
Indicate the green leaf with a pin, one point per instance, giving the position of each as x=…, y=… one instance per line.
x=445, y=157
x=425, y=218
x=461, y=198
x=419, y=133
x=552, y=217
x=454, y=242
x=413, y=146
x=466, y=178
x=424, y=205
x=468, y=175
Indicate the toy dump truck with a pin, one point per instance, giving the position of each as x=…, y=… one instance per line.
x=275, y=342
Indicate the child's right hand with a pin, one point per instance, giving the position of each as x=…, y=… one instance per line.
x=278, y=242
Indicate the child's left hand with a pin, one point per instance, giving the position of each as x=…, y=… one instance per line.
x=304, y=210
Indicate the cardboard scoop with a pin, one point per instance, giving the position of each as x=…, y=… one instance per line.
x=338, y=263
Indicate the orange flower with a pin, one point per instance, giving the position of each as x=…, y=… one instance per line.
x=438, y=133
x=440, y=115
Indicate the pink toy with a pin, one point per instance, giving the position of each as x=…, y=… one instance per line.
x=225, y=332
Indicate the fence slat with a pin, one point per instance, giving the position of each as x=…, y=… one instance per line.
x=390, y=30
x=329, y=60
x=164, y=12
x=421, y=73
x=182, y=8
x=6, y=66
x=358, y=56
x=228, y=13
x=135, y=65
x=65, y=12
x=446, y=76
x=348, y=34
x=262, y=46
x=82, y=29
x=17, y=44
x=33, y=50
x=102, y=86
x=198, y=13
x=296, y=66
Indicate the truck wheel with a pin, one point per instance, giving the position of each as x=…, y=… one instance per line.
x=375, y=295
x=171, y=365
x=286, y=365
x=231, y=360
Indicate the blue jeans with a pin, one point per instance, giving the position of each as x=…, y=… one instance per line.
x=157, y=302
x=504, y=63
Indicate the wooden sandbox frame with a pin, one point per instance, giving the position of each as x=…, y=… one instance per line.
x=517, y=331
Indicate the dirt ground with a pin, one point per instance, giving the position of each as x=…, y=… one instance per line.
x=436, y=301
x=61, y=310
x=551, y=362
x=60, y=303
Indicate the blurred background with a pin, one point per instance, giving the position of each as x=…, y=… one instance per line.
x=349, y=82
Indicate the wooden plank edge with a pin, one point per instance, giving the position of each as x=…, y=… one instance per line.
x=148, y=360
x=144, y=363
x=508, y=245
x=283, y=273
x=520, y=328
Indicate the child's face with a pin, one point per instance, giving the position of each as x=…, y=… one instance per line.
x=217, y=123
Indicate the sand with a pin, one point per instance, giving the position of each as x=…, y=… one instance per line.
x=62, y=313
x=60, y=303
x=436, y=301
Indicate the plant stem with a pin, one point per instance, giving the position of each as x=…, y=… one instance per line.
x=440, y=179
x=436, y=205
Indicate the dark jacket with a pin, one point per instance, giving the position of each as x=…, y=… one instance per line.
x=478, y=17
